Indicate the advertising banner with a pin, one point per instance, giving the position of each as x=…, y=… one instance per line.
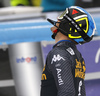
x=91, y=53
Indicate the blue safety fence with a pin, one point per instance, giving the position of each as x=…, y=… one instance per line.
x=24, y=31
x=29, y=31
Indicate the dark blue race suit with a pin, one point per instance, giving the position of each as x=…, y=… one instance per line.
x=64, y=71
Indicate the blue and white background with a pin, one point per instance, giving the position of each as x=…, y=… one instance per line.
x=37, y=31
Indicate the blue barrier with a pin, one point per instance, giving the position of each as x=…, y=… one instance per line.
x=17, y=32
x=28, y=31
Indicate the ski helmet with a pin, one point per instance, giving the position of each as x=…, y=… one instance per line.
x=76, y=23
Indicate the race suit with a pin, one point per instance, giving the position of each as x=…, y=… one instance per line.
x=64, y=71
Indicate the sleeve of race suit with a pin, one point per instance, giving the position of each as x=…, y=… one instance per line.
x=60, y=66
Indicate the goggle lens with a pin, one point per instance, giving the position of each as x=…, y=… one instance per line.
x=63, y=14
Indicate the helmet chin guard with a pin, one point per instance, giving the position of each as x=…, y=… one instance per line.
x=61, y=27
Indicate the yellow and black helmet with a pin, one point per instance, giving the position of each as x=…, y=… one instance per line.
x=76, y=23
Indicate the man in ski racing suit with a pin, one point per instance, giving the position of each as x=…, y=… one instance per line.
x=64, y=71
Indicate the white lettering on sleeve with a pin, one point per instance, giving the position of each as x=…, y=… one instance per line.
x=60, y=81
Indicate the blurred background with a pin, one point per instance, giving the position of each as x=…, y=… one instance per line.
x=25, y=40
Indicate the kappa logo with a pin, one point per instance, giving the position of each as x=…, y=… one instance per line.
x=57, y=58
